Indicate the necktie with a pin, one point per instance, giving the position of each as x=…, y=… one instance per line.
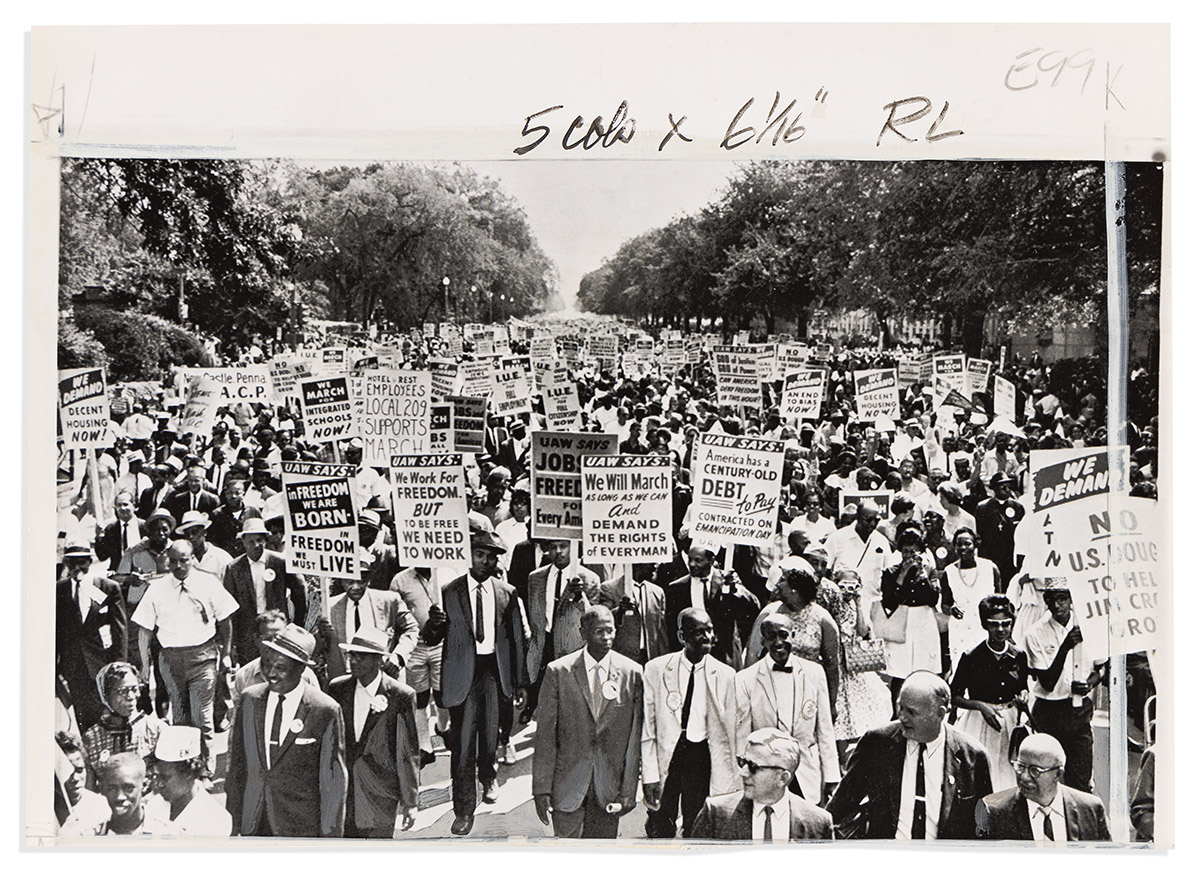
x=1047, y=827
x=767, y=824
x=357, y=618
x=479, y=613
x=596, y=696
x=80, y=601
x=196, y=602
x=124, y=537
x=783, y=669
x=687, y=702
x=918, y=822
x=557, y=587
x=276, y=726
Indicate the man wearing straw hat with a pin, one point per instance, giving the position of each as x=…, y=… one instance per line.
x=259, y=580
x=206, y=556
x=287, y=768
x=177, y=779
x=381, y=739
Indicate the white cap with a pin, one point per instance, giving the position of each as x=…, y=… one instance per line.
x=177, y=743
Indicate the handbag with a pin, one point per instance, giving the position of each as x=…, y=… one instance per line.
x=894, y=627
x=864, y=656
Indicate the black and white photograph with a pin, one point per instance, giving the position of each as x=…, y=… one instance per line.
x=612, y=477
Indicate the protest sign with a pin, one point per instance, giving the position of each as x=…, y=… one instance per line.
x=469, y=416
x=953, y=368
x=792, y=357
x=821, y=353
x=441, y=428
x=560, y=397
x=509, y=389
x=738, y=380
x=926, y=364
x=603, y=349
x=1005, y=401
x=244, y=384
x=326, y=409
x=877, y=393
x=627, y=509
x=430, y=497
x=979, y=371
x=674, y=355
x=557, y=485
x=200, y=404
x=908, y=372
x=285, y=371
x=395, y=414
x=736, y=497
x=803, y=390
x=442, y=373
x=320, y=522
x=83, y=409
x=476, y=378
x=881, y=497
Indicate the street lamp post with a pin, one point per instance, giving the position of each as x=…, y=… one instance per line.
x=446, y=297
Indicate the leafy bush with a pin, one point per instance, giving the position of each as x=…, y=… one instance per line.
x=78, y=349
x=141, y=346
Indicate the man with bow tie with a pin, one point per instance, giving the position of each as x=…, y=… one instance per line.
x=90, y=630
x=381, y=739
x=787, y=692
x=287, y=764
x=188, y=610
x=688, y=729
x=589, y=727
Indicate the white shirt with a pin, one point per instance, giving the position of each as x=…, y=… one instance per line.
x=1042, y=640
x=597, y=671
x=781, y=820
x=697, y=586
x=291, y=703
x=487, y=646
x=697, y=729
x=847, y=550
x=1058, y=818
x=214, y=561
x=935, y=764
x=366, y=614
x=818, y=529
x=363, y=698
x=258, y=575
x=128, y=533
x=184, y=618
x=783, y=692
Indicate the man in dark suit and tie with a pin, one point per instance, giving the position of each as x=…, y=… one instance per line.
x=362, y=607
x=1041, y=808
x=381, y=739
x=589, y=734
x=91, y=630
x=641, y=625
x=483, y=665
x=259, y=580
x=921, y=779
x=764, y=810
x=192, y=496
x=287, y=767
x=730, y=605
x=121, y=534
x=227, y=520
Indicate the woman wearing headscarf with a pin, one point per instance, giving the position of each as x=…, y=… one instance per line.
x=122, y=726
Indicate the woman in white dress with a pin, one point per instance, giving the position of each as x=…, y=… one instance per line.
x=911, y=590
x=968, y=580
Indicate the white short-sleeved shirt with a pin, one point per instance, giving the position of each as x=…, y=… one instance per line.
x=1042, y=641
x=184, y=618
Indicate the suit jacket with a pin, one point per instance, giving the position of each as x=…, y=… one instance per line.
x=1005, y=816
x=303, y=794
x=577, y=746
x=812, y=719
x=730, y=817
x=458, y=654
x=732, y=617
x=382, y=763
x=108, y=545
x=284, y=588
x=225, y=529
x=180, y=502
x=391, y=615
x=876, y=769
x=86, y=644
x=661, y=725
x=567, y=635
x=628, y=641
x=145, y=502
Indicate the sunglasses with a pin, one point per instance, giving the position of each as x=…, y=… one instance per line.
x=754, y=767
x=997, y=623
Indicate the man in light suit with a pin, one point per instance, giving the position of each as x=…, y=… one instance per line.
x=259, y=580
x=91, y=630
x=287, y=764
x=360, y=607
x=381, y=739
x=1041, y=808
x=689, y=729
x=641, y=624
x=764, y=810
x=920, y=778
x=483, y=666
x=589, y=728
x=787, y=692
x=558, y=595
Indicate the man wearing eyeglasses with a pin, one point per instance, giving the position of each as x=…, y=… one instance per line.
x=764, y=810
x=1041, y=808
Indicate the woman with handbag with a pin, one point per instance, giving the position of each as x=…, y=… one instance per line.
x=906, y=617
x=862, y=701
x=989, y=687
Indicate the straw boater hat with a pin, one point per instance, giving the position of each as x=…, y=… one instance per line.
x=367, y=639
x=191, y=519
x=161, y=514
x=1055, y=584
x=368, y=517
x=293, y=642
x=177, y=743
x=253, y=526
x=77, y=550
